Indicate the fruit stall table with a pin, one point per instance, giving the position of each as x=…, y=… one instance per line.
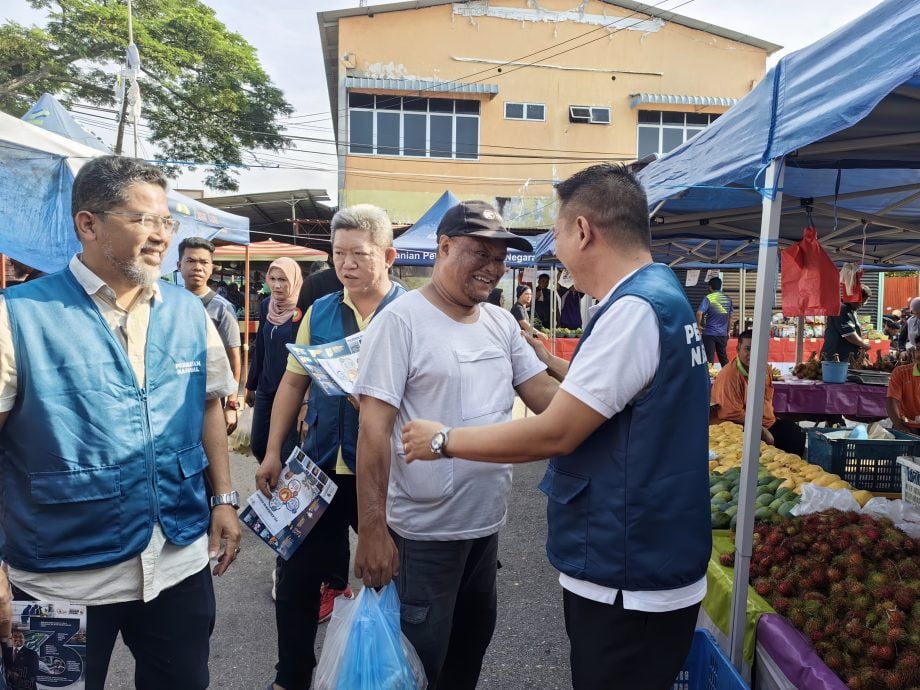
x=797, y=397
x=781, y=655
x=783, y=349
x=562, y=347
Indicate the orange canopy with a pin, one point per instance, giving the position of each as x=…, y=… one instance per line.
x=268, y=250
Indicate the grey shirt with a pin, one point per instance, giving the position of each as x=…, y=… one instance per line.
x=223, y=314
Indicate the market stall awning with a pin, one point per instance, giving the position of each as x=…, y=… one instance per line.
x=421, y=85
x=269, y=250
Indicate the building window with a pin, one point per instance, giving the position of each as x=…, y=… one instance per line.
x=589, y=114
x=416, y=127
x=525, y=111
x=660, y=132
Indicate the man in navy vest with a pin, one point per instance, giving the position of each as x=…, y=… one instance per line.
x=362, y=253
x=628, y=509
x=110, y=418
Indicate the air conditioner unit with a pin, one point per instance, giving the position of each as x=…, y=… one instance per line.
x=579, y=113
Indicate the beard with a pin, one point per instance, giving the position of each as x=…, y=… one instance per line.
x=132, y=269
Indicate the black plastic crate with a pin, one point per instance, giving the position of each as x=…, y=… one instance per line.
x=870, y=465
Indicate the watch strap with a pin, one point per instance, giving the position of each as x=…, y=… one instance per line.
x=230, y=499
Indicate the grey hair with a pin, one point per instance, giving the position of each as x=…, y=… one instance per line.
x=367, y=217
x=102, y=182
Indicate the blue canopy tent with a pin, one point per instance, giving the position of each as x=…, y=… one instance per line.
x=417, y=245
x=832, y=129
x=197, y=219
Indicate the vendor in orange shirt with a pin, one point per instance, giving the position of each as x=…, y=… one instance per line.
x=729, y=396
x=903, y=399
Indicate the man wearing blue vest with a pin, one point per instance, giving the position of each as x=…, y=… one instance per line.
x=628, y=508
x=362, y=252
x=110, y=418
x=716, y=308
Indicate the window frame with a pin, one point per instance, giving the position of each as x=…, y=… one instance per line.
x=688, y=130
x=466, y=113
x=525, y=106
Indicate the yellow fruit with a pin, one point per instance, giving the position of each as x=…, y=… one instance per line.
x=788, y=484
x=862, y=497
x=712, y=465
x=839, y=484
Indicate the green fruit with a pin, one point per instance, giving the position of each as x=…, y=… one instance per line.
x=785, y=510
x=731, y=510
x=777, y=502
x=774, y=485
x=782, y=491
x=720, y=520
x=761, y=490
x=717, y=488
x=713, y=507
x=723, y=497
x=763, y=513
x=733, y=522
x=764, y=499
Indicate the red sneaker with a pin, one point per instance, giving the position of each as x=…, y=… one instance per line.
x=327, y=600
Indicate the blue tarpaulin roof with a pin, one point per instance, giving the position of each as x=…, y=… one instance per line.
x=417, y=246
x=197, y=219
x=845, y=113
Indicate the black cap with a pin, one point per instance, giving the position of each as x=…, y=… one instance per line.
x=479, y=219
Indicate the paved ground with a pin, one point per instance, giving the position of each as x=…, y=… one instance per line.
x=529, y=649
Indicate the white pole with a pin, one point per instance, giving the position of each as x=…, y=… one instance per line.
x=763, y=307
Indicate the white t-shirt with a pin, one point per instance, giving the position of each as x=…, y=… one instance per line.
x=613, y=367
x=428, y=366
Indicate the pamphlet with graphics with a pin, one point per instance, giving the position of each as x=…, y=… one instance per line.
x=54, y=647
x=332, y=366
x=302, y=495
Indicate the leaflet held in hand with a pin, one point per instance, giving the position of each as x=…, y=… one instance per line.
x=302, y=495
x=332, y=366
x=54, y=655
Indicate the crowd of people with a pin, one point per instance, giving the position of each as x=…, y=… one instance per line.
x=123, y=455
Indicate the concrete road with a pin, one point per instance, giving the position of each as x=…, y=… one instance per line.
x=529, y=648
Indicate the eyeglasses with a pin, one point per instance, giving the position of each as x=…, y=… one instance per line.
x=150, y=221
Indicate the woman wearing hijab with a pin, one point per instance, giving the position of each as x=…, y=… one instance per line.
x=278, y=324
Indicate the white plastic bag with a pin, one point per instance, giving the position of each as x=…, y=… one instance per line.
x=240, y=441
x=327, y=671
x=818, y=498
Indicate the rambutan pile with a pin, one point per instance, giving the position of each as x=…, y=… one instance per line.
x=851, y=583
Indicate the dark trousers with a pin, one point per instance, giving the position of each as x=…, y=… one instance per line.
x=615, y=648
x=788, y=436
x=168, y=637
x=715, y=345
x=315, y=561
x=261, y=419
x=449, y=600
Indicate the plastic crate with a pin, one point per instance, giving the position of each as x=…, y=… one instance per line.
x=867, y=464
x=707, y=667
x=910, y=480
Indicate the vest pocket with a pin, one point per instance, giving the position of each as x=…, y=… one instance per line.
x=190, y=504
x=83, y=506
x=567, y=516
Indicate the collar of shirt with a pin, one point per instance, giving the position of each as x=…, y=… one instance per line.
x=600, y=304
x=93, y=284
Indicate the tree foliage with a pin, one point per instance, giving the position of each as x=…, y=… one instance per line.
x=205, y=95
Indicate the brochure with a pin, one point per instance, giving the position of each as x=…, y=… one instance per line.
x=54, y=651
x=332, y=366
x=303, y=493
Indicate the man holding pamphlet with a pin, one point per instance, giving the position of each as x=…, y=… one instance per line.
x=362, y=250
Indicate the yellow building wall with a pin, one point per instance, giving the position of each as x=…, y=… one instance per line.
x=585, y=65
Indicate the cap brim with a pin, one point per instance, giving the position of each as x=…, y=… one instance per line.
x=511, y=240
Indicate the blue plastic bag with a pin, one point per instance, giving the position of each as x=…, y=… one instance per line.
x=376, y=655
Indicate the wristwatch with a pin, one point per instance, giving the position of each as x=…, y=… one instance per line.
x=232, y=405
x=231, y=499
x=439, y=443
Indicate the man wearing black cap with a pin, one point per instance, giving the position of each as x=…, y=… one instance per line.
x=443, y=352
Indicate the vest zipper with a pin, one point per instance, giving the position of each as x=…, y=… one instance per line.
x=151, y=461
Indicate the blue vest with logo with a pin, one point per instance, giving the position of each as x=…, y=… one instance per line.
x=332, y=420
x=92, y=457
x=629, y=509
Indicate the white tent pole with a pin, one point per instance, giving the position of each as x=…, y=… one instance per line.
x=763, y=304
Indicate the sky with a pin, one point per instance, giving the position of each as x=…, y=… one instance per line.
x=285, y=33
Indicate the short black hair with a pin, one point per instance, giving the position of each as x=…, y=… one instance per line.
x=715, y=283
x=101, y=183
x=611, y=197
x=195, y=243
x=746, y=334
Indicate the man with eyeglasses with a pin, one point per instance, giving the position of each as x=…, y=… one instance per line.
x=196, y=265
x=110, y=418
